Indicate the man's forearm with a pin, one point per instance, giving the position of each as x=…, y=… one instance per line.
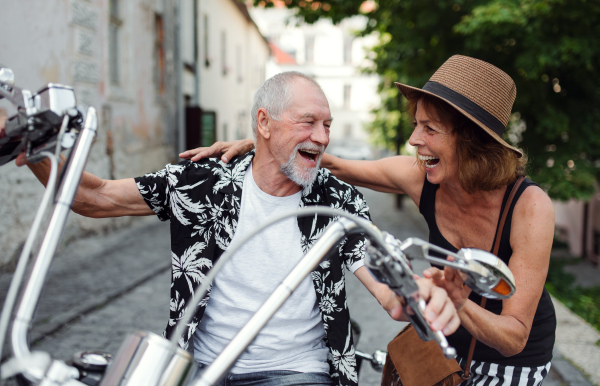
x=42, y=169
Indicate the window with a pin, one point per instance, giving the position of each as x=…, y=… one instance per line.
x=241, y=125
x=309, y=49
x=209, y=128
x=224, y=67
x=114, y=56
x=347, y=92
x=348, y=130
x=348, y=50
x=159, y=54
x=206, y=41
x=238, y=63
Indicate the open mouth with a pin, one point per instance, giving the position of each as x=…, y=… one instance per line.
x=311, y=155
x=429, y=161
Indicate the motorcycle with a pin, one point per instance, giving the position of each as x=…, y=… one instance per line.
x=49, y=122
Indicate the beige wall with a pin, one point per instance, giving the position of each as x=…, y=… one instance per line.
x=236, y=69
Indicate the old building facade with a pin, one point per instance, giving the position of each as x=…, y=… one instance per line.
x=138, y=64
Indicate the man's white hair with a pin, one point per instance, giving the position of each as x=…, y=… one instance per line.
x=275, y=95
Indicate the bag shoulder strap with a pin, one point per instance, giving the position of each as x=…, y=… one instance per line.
x=495, y=249
x=513, y=192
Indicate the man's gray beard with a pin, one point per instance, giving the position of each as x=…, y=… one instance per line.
x=301, y=176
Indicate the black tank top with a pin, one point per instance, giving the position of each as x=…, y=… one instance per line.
x=538, y=350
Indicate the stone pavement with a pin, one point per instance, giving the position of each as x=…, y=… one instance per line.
x=103, y=288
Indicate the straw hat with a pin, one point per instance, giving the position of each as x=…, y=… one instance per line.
x=480, y=91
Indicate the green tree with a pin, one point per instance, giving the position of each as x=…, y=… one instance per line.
x=551, y=48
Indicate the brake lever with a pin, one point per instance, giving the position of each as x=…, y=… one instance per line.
x=21, y=99
x=389, y=265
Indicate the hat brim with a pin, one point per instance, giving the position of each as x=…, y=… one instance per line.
x=411, y=92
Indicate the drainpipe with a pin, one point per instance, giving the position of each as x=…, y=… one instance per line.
x=179, y=81
x=196, y=55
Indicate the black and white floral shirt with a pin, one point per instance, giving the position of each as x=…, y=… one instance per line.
x=202, y=202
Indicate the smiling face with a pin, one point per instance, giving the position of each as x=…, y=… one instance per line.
x=299, y=140
x=436, y=145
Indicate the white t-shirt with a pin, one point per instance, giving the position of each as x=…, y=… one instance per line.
x=293, y=339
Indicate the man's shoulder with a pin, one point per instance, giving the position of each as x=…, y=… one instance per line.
x=211, y=166
x=327, y=179
x=203, y=168
x=338, y=193
x=208, y=171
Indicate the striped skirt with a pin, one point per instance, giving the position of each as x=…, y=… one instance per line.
x=492, y=374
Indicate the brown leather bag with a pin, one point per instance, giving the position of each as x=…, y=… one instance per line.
x=414, y=362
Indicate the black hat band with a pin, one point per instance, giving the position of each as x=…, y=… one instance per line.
x=466, y=104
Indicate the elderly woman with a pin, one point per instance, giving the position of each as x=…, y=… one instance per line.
x=460, y=181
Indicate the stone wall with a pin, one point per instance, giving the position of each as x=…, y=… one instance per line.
x=68, y=42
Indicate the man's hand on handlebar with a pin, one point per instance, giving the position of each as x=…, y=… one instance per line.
x=225, y=150
x=21, y=159
x=3, y=118
x=439, y=312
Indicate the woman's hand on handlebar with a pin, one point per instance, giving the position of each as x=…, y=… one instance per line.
x=439, y=311
x=225, y=150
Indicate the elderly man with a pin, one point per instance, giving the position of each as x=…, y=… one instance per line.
x=210, y=204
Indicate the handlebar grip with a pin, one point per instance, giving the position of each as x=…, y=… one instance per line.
x=424, y=330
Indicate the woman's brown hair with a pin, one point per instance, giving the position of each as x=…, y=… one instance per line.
x=483, y=163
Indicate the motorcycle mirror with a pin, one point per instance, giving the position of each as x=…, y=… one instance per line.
x=7, y=77
x=502, y=287
x=7, y=81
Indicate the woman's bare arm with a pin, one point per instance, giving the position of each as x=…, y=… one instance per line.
x=532, y=232
x=399, y=174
